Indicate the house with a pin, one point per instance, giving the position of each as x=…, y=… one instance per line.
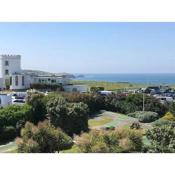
x=14, y=78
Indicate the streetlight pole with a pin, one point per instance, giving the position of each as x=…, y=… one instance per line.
x=143, y=101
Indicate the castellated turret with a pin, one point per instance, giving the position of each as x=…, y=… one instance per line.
x=9, y=65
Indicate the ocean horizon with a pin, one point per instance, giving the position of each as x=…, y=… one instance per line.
x=142, y=78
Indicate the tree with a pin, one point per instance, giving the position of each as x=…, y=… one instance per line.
x=71, y=117
x=151, y=104
x=95, y=102
x=36, y=101
x=10, y=115
x=162, y=139
x=43, y=138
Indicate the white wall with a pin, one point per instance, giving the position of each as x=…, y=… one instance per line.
x=5, y=100
x=19, y=86
x=1, y=83
x=14, y=66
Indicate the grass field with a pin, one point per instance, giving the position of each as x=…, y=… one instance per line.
x=113, y=85
x=11, y=147
x=109, y=85
x=99, y=121
x=112, y=119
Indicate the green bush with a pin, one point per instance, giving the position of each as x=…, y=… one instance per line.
x=37, y=102
x=135, y=125
x=43, y=138
x=95, y=102
x=7, y=133
x=145, y=116
x=96, y=89
x=9, y=116
x=151, y=104
x=71, y=117
x=161, y=122
x=162, y=139
x=117, y=141
x=168, y=116
x=117, y=102
x=52, y=87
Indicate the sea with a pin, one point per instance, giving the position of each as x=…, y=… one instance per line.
x=130, y=78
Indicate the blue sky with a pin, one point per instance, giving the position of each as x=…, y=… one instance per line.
x=92, y=47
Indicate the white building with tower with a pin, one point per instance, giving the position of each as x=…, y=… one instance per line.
x=14, y=78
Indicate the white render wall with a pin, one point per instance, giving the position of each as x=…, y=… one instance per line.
x=20, y=85
x=14, y=66
x=5, y=100
x=14, y=69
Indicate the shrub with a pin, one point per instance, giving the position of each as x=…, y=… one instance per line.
x=169, y=116
x=135, y=125
x=7, y=133
x=43, y=138
x=9, y=116
x=117, y=102
x=162, y=139
x=95, y=102
x=36, y=101
x=151, y=104
x=172, y=108
x=96, y=89
x=145, y=116
x=119, y=140
x=52, y=87
x=161, y=122
x=71, y=117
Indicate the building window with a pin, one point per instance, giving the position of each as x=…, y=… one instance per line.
x=10, y=80
x=6, y=72
x=16, y=81
x=22, y=80
x=6, y=63
x=53, y=81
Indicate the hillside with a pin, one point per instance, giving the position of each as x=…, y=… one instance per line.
x=44, y=73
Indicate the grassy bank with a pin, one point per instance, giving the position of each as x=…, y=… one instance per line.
x=109, y=85
x=115, y=86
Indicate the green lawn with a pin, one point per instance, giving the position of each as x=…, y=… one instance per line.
x=114, y=85
x=11, y=147
x=109, y=85
x=112, y=119
x=99, y=122
x=74, y=149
